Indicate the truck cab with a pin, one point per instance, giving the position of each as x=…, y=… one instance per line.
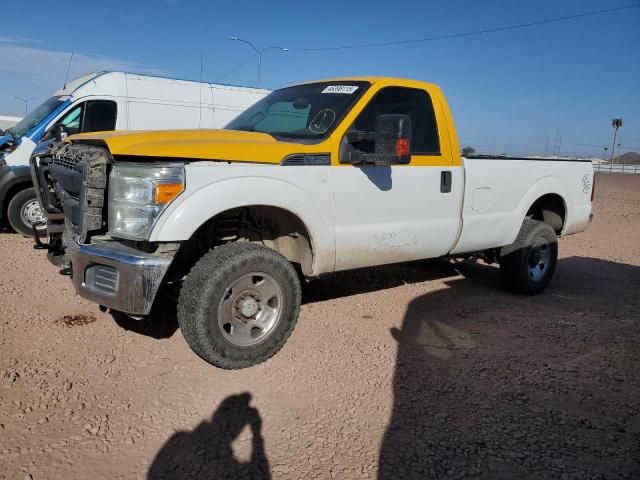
x=314, y=178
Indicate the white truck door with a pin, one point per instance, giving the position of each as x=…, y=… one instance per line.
x=387, y=214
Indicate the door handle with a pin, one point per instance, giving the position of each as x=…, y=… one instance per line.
x=445, y=182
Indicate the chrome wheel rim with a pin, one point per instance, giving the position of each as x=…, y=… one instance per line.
x=250, y=309
x=539, y=259
x=31, y=213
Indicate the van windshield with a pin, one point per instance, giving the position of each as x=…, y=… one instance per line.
x=308, y=111
x=35, y=117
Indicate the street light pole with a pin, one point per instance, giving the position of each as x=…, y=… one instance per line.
x=259, y=52
x=26, y=103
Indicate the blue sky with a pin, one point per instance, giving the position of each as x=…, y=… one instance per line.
x=509, y=91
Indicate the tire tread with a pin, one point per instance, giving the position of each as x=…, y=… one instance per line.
x=209, y=271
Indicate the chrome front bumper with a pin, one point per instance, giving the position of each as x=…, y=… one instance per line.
x=115, y=275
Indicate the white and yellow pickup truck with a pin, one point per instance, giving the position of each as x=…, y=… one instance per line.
x=313, y=179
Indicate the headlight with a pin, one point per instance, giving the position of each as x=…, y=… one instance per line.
x=138, y=194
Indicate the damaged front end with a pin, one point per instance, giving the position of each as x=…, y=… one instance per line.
x=71, y=182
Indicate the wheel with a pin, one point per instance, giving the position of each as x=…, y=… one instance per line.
x=528, y=264
x=24, y=210
x=239, y=304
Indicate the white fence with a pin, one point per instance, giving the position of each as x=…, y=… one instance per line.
x=616, y=168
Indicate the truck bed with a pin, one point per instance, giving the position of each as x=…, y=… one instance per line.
x=499, y=190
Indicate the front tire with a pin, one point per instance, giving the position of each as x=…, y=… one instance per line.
x=23, y=211
x=528, y=264
x=239, y=305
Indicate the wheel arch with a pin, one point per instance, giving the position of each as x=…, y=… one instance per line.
x=12, y=181
x=550, y=208
x=291, y=223
x=546, y=195
x=274, y=227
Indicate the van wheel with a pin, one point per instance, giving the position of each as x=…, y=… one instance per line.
x=24, y=210
x=239, y=304
x=528, y=264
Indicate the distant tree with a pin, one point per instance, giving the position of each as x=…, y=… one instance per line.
x=468, y=151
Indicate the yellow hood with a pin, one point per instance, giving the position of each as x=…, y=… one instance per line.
x=226, y=145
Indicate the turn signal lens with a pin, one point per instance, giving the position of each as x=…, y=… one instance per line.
x=402, y=146
x=165, y=192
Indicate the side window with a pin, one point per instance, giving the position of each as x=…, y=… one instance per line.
x=90, y=116
x=73, y=119
x=99, y=116
x=285, y=116
x=406, y=101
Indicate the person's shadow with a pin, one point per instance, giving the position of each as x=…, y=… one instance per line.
x=206, y=453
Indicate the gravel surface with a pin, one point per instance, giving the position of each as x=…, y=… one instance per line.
x=427, y=370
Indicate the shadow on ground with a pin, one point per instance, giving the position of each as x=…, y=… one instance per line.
x=499, y=386
x=206, y=453
x=161, y=323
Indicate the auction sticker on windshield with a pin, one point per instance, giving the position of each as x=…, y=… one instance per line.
x=340, y=89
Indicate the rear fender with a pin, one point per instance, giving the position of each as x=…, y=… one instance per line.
x=544, y=186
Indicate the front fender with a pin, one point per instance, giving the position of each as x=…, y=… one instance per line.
x=216, y=189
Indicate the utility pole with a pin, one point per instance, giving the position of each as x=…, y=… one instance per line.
x=26, y=103
x=616, y=123
x=259, y=52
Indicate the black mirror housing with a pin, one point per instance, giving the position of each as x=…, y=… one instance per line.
x=392, y=141
x=393, y=137
x=60, y=132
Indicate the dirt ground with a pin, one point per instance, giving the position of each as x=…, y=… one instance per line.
x=427, y=370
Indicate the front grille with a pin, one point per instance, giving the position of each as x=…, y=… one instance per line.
x=70, y=163
x=81, y=175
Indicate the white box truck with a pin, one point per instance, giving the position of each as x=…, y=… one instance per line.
x=102, y=102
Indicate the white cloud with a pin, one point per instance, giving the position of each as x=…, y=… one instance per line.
x=16, y=39
x=21, y=56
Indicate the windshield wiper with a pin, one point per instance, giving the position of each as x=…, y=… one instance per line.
x=291, y=135
x=248, y=128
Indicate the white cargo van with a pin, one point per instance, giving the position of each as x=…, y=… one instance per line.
x=109, y=101
x=124, y=101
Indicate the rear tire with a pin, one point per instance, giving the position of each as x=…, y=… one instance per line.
x=23, y=210
x=528, y=264
x=239, y=305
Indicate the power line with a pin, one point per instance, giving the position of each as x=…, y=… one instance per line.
x=468, y=34
x=235, y=68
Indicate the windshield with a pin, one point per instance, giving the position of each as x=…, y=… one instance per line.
x=308, y=111
x=35, y=117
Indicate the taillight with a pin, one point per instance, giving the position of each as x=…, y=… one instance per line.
x=593, y=187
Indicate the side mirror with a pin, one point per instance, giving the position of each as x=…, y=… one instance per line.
x=60, y=132
x=392, y=141
x=393, y=138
